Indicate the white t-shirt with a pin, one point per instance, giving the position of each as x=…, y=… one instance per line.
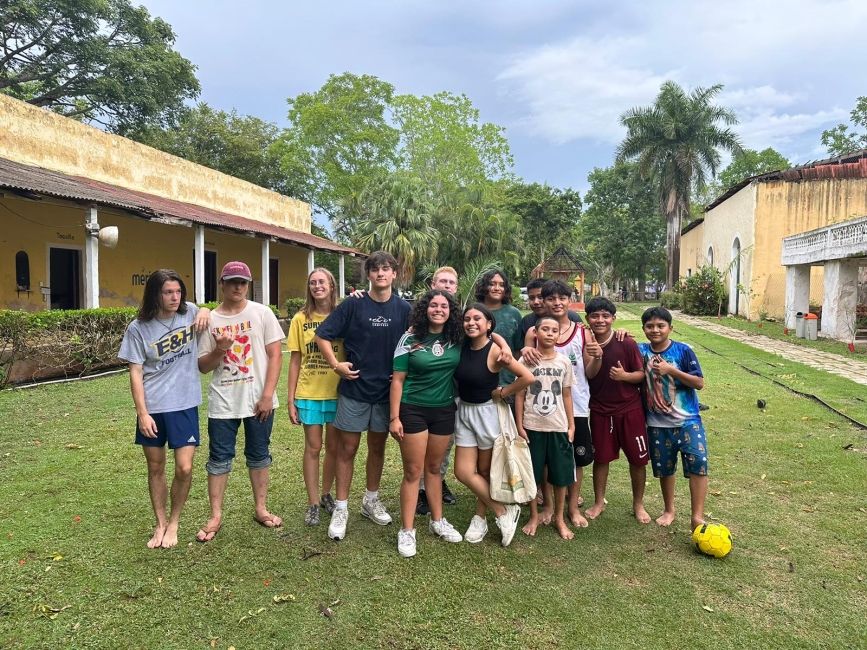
x=239, y=380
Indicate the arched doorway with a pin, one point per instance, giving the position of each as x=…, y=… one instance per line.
x=735, y=278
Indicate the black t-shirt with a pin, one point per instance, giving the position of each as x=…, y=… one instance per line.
x=530, y=321
x=370, y=331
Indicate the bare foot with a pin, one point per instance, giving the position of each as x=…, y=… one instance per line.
x=641, y=514
x=157, y=539
x=268, y=520
x=578, y=519
x=564, y=530
x=697, y=521
x=530, y=527
x=209, y=530
x=171, y=537
x=545, y=516
x=595, y=510
x=665, y=519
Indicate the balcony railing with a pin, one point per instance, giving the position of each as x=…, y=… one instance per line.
x=839, y=241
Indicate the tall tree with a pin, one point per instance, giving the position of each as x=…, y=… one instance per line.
x=238, y=145
x=841, y=140
x=750, y=163
x=444, y=143
x=103, y=61
x=338, y=141
x=677, y=143
x=399, y=221
x=621, y=227
x=550, y=216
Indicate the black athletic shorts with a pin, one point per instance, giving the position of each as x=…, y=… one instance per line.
x=583, y=442
x=438, y=420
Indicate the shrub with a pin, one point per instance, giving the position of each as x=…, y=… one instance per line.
x=704, y=292
x=71, y=342
x=293, y=306
x=670, y=300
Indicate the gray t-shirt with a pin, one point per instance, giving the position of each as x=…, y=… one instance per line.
x=168, y=353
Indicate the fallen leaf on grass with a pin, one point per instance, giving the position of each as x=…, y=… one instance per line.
x=808, y=509
x=283, y=598
x=791, y=567
x=706, y=608
x=327, y=612
x=380, y=577
x=72, y=445
x=48, y=611
x=716, y=493
x=800, y=445
x=267, y=582
x=77, y=519
x=763, y=476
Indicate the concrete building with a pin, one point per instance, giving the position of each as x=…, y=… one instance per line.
x=66, y=186
x=742, y=233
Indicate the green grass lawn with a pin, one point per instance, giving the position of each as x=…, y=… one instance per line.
x=790, y=481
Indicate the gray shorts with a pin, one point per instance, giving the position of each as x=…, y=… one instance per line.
x=354, y=416
x=477, y=425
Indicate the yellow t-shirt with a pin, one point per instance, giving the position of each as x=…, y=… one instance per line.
x=316, y=379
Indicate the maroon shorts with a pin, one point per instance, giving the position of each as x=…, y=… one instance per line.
x=625, y=431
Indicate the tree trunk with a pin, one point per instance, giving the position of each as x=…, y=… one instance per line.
x=672, y=247
x=642, y=283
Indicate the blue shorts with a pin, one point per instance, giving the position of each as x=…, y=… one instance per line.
x=178, y=428
x=316, y=411
x=689, y=439
x=222, y=435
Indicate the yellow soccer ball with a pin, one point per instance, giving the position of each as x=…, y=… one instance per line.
x=712, y=539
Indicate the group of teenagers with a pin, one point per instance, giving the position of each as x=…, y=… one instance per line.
x=430, y=375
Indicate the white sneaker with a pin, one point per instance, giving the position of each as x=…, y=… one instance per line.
x=375, y=511
x=477, y=530
x=406, y=542
x=445, y=530
x=508, y=522
x=337, y=527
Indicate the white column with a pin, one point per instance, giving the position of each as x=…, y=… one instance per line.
x=91, y=260
x=342, y=274
x=199, y=256
x=311, y=261
x=797, y=292
x=266, y=271
x=840, y=300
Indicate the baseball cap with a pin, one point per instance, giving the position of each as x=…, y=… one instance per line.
x=237, y=270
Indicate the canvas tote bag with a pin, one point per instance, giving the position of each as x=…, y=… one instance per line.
x=512, y=478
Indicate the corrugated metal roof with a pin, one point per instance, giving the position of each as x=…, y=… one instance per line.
x=851, y=165
x=36, y=180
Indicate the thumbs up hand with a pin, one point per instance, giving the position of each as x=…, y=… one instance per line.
x=617, y=373
x=592, y=345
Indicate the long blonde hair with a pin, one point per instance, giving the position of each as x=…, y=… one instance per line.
x=310, y=303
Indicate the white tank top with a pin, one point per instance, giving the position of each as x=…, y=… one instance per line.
x=573, y=349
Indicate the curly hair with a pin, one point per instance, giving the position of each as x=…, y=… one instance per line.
x=151, y=302
x=453, y=329
x=484, y=284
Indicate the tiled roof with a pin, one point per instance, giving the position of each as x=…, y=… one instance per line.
x=25, y=179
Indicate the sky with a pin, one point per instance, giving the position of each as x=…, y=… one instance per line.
x=556, y=74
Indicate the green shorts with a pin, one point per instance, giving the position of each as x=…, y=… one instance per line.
x=552, y=449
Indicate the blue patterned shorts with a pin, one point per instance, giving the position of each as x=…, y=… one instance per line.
x=689, y=439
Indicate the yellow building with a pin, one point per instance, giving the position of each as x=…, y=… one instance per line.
x=742, y=232
x=65, y=187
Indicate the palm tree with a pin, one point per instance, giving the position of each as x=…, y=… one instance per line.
x=677, y=143
x=398, y=220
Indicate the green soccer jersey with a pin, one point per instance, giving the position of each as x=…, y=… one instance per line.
x=429, y=365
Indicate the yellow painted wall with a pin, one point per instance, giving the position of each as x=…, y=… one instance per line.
x=143, y=246
x=787, y=208
x=34, y=136
x=691, y=250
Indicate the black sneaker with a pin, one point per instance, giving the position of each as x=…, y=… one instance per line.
x=448, y=498
x=422, y=507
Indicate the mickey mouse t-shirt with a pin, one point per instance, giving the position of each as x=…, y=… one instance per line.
x=543, y=402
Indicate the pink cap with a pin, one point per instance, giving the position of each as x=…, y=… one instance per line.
x=237, y=270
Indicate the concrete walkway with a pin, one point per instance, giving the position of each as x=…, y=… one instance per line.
x=828, y=361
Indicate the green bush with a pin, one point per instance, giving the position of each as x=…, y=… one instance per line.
x=670, y=300
x=293, y=306
x=72, y=342
x=704, y=292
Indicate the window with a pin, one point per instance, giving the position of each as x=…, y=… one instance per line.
x=710, y=255
x=22, y=271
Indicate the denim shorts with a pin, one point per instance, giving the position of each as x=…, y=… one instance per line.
x=222, y=434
